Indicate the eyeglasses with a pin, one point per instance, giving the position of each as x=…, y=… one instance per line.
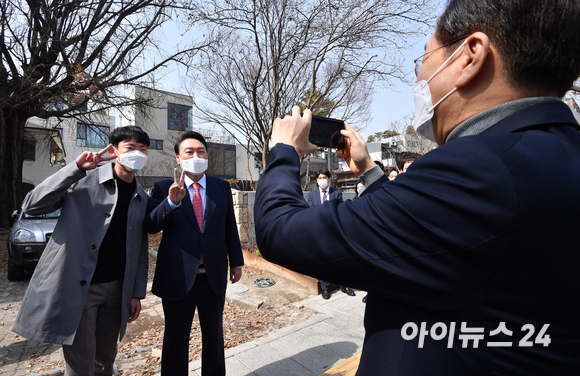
x=418, y=62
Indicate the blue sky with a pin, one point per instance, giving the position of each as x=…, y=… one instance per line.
x=393, y=104
x=388, y=104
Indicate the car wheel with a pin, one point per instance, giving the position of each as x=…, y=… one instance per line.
x=15, y=273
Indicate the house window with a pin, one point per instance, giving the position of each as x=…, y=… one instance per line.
x=222, y=160
x=156, y=144
x=29, y=150
x=92, y=136
x=178, y=117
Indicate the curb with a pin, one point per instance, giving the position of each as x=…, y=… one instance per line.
x=258, y=262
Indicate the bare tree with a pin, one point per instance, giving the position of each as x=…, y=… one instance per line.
x=68, y=59
x=271, y=52
x=401, y=133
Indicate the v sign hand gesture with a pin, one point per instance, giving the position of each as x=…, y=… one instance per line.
x=89, y=160
x=177, y=189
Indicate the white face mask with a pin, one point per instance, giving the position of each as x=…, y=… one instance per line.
x=195, y=165
x=323, y=183
x=132, y=160
x=424, y=108
x=360, y=190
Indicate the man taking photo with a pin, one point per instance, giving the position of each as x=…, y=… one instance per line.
x=470, y=258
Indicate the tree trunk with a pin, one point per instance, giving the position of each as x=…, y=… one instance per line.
x=11, y=157
x=307, y=177
x=265, y=151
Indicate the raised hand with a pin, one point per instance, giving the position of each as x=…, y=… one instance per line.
x=293, y=130
x=89, y=160
x=355, y=152
x=177, y=189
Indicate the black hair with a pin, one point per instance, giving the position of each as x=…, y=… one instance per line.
x=378, y=163
x=127, y=133
x=324, y=172
x=406, y=157
x=538, y=41
x=189, y=134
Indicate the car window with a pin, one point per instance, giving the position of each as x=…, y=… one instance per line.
x=54, y=214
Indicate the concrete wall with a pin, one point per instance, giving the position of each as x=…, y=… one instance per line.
x=244, y=211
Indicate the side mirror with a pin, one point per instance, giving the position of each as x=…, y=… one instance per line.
x=15, y=214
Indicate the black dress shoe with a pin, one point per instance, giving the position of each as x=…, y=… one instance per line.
x=365, y=298
x=325, y=294
x=348, y=291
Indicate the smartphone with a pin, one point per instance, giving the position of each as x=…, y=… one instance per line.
x=325, y=132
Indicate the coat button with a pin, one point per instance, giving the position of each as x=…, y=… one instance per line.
x=108, y=215
x=83, y=282
x=94, y=246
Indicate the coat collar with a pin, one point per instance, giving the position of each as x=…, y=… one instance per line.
x=535, y=116
x=106, y=174
x=211, y=198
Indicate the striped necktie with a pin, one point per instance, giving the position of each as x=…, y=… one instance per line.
x=197, y=206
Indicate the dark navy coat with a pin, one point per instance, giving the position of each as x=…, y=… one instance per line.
x=481, y=231
x=183, y=243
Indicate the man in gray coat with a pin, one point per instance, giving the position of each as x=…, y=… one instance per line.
x=89, y=281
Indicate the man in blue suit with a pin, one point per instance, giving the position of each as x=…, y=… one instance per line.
x=196, y=214
x=318, y=196
x=470, y=257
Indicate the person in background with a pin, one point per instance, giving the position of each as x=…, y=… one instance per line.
x=406, y=160
x=380, y=164
x=392, y=173
x=92, y=275
x=360, y=187
x=319, y=196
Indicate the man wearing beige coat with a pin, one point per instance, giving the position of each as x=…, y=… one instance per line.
x=90, y=279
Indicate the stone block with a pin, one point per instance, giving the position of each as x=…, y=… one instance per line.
x=244, y=302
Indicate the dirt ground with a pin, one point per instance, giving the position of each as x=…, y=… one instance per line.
x=139, y=352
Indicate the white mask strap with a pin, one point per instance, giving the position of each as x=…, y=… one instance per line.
x=446, y=61
x=441, y=100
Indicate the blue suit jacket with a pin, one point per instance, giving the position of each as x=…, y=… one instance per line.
x=182, y=243
x=481, y=230
x=314, y=196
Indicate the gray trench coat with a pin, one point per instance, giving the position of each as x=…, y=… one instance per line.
x=53, y=303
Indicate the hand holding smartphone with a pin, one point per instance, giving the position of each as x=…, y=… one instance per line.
x=325, y=132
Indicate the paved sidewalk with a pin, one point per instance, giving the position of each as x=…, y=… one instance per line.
x=17, y=353
x=308, y=348
x=305, y=349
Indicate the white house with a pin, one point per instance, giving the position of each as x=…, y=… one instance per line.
x=49, y=144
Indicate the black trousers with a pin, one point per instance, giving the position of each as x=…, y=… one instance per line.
x=178, y=319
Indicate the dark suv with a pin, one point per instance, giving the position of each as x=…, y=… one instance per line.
x=27, y=240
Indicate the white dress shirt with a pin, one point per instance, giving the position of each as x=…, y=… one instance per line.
x=189, y=185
